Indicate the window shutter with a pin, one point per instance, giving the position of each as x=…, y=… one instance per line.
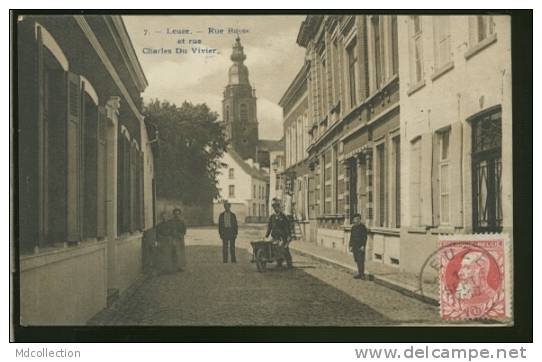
x=120, y=183
x=456, y=180
x=132, y=186
x=127, y=206
x=90, y=176
x=74, y=158
x=435, y=182
x=425, y=188
x=42, y=184
x=142, y=191
x=101, y=182
x=415, y=187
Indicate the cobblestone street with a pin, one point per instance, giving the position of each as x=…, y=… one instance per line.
x=209, y=292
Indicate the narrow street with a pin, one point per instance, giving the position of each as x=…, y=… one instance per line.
x=212, y=293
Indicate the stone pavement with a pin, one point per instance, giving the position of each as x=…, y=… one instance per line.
x=210, y=293
x=387, y=275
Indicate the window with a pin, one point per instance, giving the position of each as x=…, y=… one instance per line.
x=306, y=129
x=295, y=148
x=337, y=183
x=377, y=49
x=231, y=190
x=323, y=86
x=442, y=47
x=227, y=115
x=444, y=177
x=253, y=191
x=336, y=72
x=416, y=50
x=299, y=139
x=352, y=72
x=381, y=182
x=415, y=182
x=486, y=171
x=481, y=27
x=243, y=113
x=396, y=143
x=317, y=190
x=231, y=173
x=328, y=172
x=394, y=46
x=287, y=146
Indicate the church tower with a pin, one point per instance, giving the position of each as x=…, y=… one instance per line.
x=239, y=107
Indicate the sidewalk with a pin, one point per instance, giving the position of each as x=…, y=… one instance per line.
x=380, y=273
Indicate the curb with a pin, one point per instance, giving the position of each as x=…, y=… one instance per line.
x=122, y=297
x=404, y=289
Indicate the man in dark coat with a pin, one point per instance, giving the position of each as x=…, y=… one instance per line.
x=278, y=228
x=227, y=228
x=358, y=241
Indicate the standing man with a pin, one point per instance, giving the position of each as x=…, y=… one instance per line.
x=279, y=229
x=227, y=229
x=358, y=241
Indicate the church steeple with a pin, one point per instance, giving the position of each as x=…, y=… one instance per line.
x=238, y=73
x=239, y=106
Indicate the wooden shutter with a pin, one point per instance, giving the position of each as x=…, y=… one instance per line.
x=131, y=185
x=120, y=183
x=42, y=205
x=456, y=179
x=90, y=193
x=102, y=177
x=435, y=179
x=74, y=158
x=141, y=190
x=425, y=189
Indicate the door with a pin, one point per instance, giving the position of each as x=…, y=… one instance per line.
x=486, y=172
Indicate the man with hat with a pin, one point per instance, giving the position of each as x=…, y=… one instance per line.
x=279, y=230
x=227, y=229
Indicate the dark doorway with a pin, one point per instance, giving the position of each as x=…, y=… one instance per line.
x=486, y=171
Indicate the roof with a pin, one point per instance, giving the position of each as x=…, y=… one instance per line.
x=291, y=94
x=252, y=171
x=271, y=145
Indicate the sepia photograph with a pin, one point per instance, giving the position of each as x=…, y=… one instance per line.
x=341, y=169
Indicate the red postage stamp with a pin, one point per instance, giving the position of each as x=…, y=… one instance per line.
x=473, y=277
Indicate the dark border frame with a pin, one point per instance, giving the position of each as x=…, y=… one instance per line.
x=522, y=331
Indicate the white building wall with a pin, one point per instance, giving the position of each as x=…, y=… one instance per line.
x=474, y=82
x=243, y=200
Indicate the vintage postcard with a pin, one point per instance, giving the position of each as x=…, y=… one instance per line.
x=264, y=170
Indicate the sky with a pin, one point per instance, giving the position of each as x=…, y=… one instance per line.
x=273, y=59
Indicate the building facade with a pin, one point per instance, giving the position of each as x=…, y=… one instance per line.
x=456, y=121
x=296, y=125
x=353, y=130
x=245, y=186
x=85, y=167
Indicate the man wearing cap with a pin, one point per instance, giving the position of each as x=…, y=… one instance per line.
x=227, y=229
x=279, y=230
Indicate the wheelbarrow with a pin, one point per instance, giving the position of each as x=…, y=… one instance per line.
x=265, y=252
